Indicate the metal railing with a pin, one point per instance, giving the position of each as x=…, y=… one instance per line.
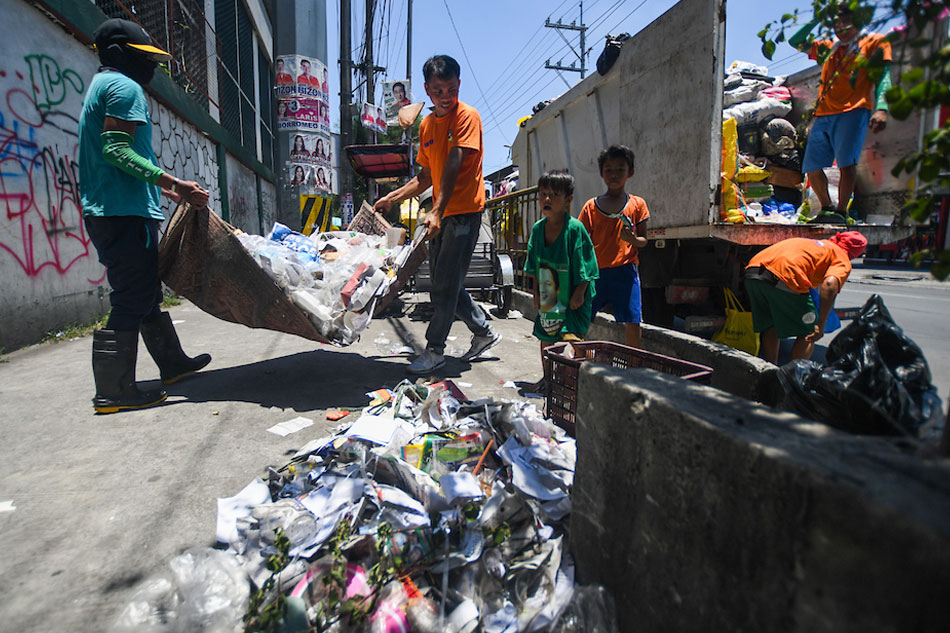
x=512, y=216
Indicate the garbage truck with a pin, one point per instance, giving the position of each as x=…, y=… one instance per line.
x=663, y=97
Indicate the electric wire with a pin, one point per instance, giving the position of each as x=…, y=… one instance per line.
x=471, y=68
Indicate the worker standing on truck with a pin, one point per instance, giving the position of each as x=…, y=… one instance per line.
x=450, y=154
x=778, y=280
x=847, y=106
x=617, y=224
x=119, y=185
x=562, y=262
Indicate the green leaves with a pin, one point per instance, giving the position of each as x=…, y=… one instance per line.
x=768, y=49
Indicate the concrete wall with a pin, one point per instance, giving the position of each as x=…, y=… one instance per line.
x=734, y=372
x=242, y=196
x=49, y=273
x=702, y=511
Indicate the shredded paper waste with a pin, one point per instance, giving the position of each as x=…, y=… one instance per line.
x=428, y=512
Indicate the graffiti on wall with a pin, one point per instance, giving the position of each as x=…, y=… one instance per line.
x=41, y=224
x=40, y=216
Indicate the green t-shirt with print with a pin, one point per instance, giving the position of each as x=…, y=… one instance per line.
x=558, y=268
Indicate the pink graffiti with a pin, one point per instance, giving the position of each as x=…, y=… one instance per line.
x=39, y=186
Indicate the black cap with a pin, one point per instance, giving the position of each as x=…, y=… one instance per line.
x=118, y=31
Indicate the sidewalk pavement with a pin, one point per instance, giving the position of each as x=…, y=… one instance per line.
x=90, y=504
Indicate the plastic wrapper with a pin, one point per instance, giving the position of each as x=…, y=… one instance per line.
x=206, y=591
x=335, y=277
x=876, y=381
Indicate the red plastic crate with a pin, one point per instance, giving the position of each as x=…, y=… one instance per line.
x=561, y=370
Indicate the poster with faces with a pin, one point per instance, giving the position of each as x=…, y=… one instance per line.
x=299, y=76
x=303, y=114
x=303, y=94
x=371, y=117
x=311, y=149
x=396, y=94
x=313, y=179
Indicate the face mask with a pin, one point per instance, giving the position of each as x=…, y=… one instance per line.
x=139, y=68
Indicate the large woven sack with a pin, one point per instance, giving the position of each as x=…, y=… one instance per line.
x=201, y=259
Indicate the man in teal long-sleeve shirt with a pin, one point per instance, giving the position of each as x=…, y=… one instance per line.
x=845, y=109
x=120, y=185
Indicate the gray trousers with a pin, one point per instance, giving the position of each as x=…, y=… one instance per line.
x=450, y=253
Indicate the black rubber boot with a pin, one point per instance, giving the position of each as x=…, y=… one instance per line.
x=162, y=343
x=113, y=365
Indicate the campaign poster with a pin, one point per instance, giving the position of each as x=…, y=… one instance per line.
x=396, y=94
x=304, y=114
x=323, y=179
x=312, y=149
x=371, y=117
x=303, y=77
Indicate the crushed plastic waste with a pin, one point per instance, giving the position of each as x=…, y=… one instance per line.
x=430, y=512
x=336, y=277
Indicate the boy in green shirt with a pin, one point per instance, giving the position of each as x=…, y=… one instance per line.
x=562, y=262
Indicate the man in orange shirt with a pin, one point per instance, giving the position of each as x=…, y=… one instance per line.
x=450, y=154
x=778, y=281
x=845, y=108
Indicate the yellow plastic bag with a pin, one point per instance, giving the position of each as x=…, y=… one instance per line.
x=730, y=154
x=737, y=331
x=751, y=173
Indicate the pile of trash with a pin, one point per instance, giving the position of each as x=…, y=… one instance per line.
x=336, y=278
x=427, y=513
x=762, y=179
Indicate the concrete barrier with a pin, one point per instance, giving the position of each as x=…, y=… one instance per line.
x=735, y=372
x=703, y=511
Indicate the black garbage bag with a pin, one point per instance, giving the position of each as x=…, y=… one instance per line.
x=875, y=380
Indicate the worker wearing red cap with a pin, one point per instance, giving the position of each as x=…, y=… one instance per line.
x=778, y=281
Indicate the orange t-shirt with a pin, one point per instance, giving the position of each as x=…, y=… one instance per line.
x=836, y=94
x=801, y=263
x=462, y=127
x=611, y=250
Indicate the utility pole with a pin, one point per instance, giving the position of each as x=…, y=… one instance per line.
x=370, y=81
x=346, y=96
x=582, y=55
x=407, y=135
x=409, y=45
x=368, y=66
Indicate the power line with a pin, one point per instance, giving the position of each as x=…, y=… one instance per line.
x=525, y=65
x=470, y=67
x=523, y=47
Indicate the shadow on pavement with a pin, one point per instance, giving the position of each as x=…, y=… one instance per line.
x=319, y=379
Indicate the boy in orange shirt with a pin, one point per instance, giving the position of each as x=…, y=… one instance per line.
x=450, y=155
x=617, y=224
x=778, y=280
x=846, y=107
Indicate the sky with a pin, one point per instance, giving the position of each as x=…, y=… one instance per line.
x=502, y=47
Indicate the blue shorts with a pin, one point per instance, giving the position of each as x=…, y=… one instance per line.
x=618, y=287
x=836, y=137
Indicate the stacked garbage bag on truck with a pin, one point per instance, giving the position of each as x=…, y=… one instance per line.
x=761, y=165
